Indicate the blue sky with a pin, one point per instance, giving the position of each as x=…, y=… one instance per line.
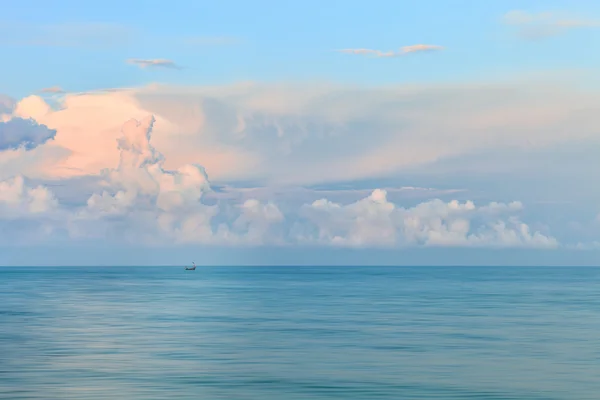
x=274, y=41
x=300, y=125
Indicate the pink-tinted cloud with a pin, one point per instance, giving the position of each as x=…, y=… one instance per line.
x=53, y=90
x=153, y=63
x=293, y=135
x=386, y=54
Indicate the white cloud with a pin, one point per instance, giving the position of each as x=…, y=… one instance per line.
x=257, y=223
x=18, y=200
x=143, y=203
x=153, y=63
x=298, y=195
x=374, y=221
x=139, y=187
x=533, y=26
x=387, y=54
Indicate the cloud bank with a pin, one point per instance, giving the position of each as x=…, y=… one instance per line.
x=140, y=201
x=267, y=133
x=133, y=165
x=374, y=221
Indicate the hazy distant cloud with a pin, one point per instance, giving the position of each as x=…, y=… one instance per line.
x=211, y=40
x=97, y=35
x=386, y=54
x=6, y=104
x=19, y=132
x=84, y=34
x=153, y=63
x=53, y=89
x=533, y=26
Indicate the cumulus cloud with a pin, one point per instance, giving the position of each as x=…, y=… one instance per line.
x=139, y=188
x=140, y=201
x=544, y=24
x=298, y=195
x=266, y=133
x=26, y=133
x=256, y=224
x=18, y=200
x=290, y=146
x=387, y=54
x=374, y=221
x=153, y=63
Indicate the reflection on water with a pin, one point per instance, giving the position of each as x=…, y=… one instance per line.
x=300, y=333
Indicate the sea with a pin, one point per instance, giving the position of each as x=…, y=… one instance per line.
x=303, y=333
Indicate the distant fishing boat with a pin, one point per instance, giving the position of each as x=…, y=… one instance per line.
x=191, y=269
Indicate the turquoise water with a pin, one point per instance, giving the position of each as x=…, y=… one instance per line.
x=300, y=333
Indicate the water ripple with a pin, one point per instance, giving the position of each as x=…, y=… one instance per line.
x=300, y=333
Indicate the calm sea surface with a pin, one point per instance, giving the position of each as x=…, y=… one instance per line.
x=300, y=333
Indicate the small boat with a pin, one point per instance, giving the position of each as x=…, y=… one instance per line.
x=192, y=268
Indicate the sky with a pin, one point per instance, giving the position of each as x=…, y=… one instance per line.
x=289, y=133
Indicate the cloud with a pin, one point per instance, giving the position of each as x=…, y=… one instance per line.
x=145, y=203
x=87, y=35
x=293, y=165
x=267, y=133
x=26, y=133
x=585, y=246
x=211, y=40
x=140, y=201
x=53, y=89
x=139, y=188
x=298, y=195
x=403, y=51
x=532, y=26
x=6, y=105
x=100, y=36
x=17, y=200
x=374, y=221
x=153, y=63
x=288, y=146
